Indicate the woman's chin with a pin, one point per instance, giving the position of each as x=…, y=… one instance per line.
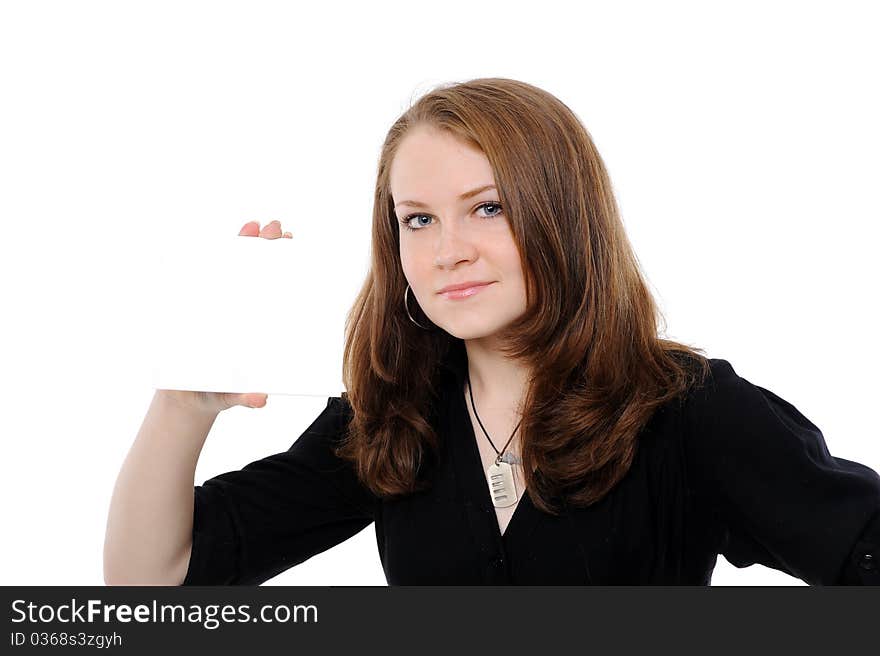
x=464, y=331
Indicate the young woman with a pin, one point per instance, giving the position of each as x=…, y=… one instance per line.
x=511, y=414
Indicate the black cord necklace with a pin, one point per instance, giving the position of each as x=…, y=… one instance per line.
x=499, y=474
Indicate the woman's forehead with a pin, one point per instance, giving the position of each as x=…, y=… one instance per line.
x=431, y=171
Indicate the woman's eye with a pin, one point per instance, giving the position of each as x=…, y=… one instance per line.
x=407, y=219
x=496, y=205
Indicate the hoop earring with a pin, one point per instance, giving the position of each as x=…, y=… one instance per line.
x=406, y=306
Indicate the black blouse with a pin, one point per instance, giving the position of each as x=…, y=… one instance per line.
x=730, y=469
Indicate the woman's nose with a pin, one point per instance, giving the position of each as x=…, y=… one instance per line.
x=453, y=245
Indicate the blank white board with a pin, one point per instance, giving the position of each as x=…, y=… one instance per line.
x=246, y=314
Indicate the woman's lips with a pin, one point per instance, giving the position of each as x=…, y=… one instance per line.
x=464, y=293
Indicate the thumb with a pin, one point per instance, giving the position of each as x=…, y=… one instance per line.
x=255, y=400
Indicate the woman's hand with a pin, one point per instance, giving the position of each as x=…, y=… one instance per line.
x=271, y=231
x=212, y=403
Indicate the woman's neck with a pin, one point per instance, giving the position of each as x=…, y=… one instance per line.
x=498, y=383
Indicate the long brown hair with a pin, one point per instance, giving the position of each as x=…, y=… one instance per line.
x=589, y=333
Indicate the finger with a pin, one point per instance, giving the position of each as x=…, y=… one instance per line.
x=256, y=400
x=250, y=229
x=272, y=230
x=247, y=400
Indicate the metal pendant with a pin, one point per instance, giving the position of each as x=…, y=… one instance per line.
x=502, y=486
x=510, y=458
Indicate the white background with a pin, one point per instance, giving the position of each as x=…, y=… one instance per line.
x=741, y=139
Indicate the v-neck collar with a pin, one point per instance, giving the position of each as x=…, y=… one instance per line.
x=468, y=464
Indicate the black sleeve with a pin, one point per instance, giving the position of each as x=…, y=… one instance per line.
x=250, y=525
x=783, y=499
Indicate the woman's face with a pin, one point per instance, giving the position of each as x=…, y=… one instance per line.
x=454, y=240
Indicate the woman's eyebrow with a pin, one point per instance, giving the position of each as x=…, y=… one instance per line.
x=464, y=196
